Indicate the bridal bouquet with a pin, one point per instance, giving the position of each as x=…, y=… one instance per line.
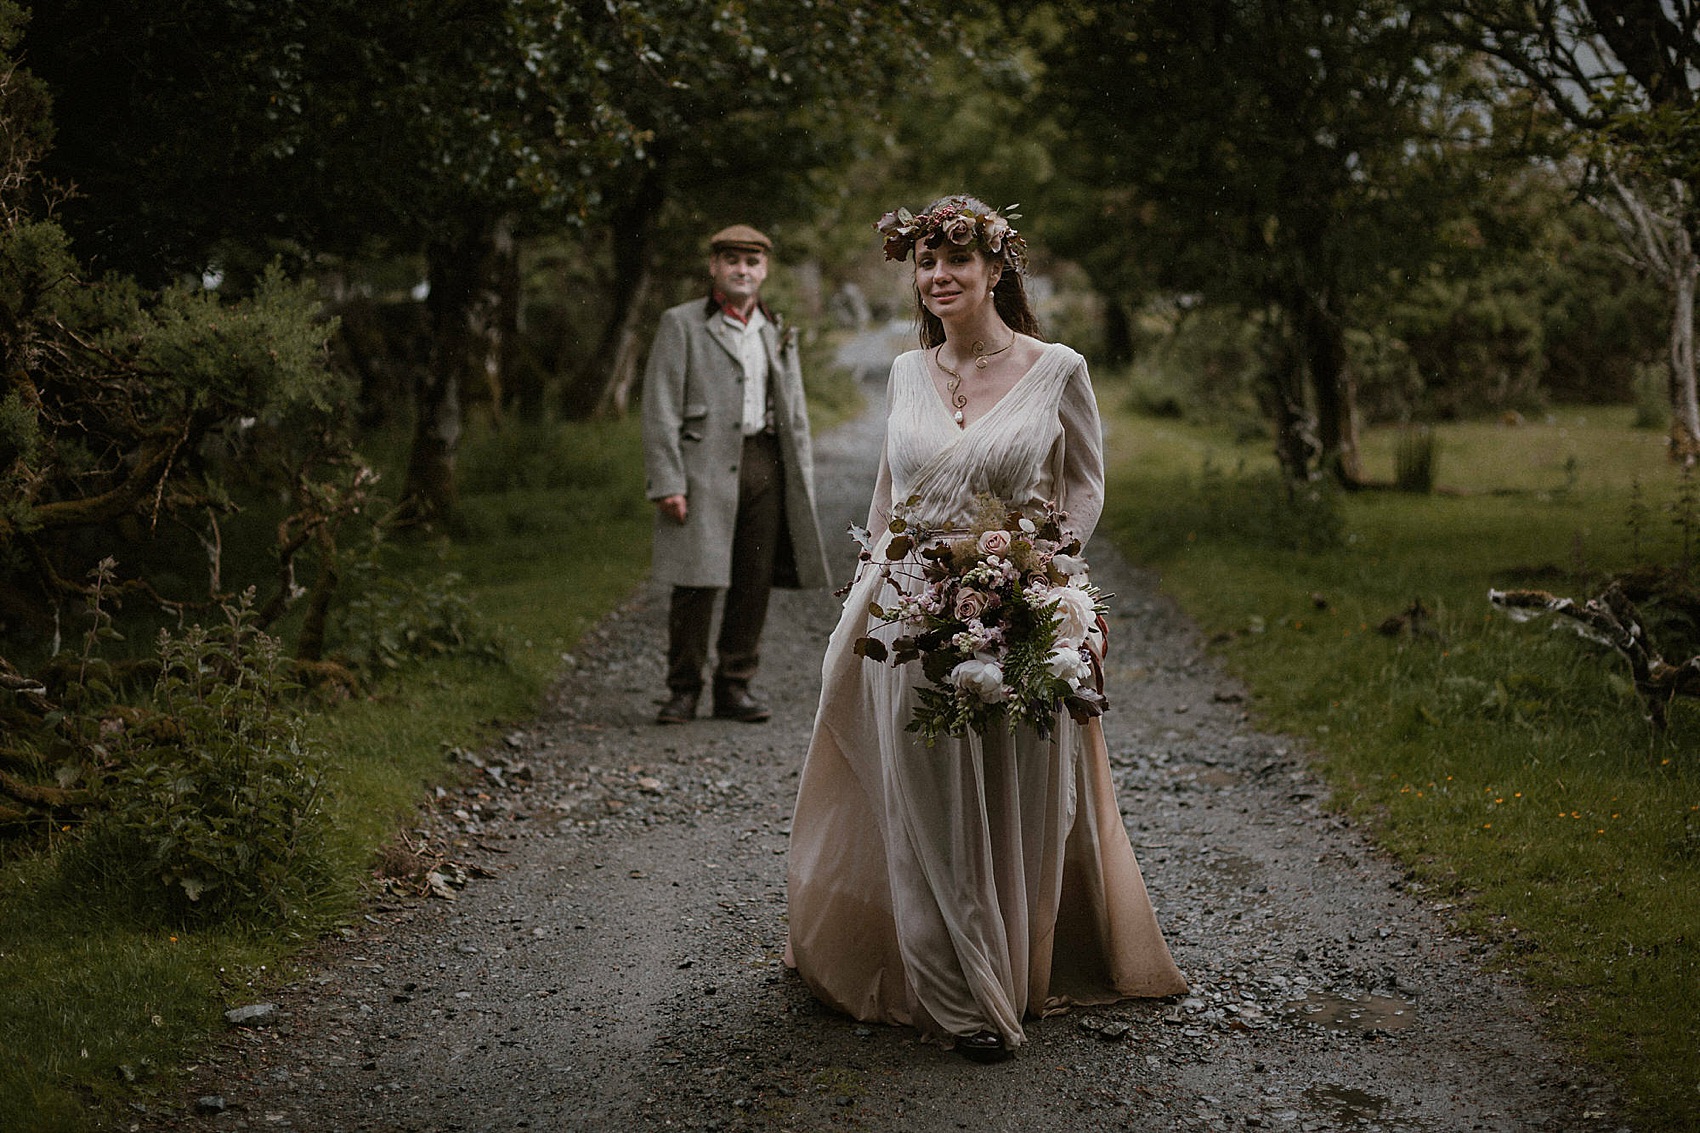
x=999, y=615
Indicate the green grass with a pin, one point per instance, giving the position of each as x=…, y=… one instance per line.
x=1507, y=765
x=558, y=534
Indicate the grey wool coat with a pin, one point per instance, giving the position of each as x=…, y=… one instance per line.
x=693, y=406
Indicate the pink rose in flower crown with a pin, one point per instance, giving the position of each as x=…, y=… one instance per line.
x=994, y=231
x=994, y=542
x=958, y=229
x=970, y=604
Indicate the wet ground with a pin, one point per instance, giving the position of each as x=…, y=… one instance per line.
x=611, y=957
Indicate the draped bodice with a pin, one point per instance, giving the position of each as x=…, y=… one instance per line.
x=1016, y=451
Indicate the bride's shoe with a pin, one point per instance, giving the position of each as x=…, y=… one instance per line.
x=983, y=1046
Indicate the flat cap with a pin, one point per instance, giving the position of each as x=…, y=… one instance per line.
x=742, y=238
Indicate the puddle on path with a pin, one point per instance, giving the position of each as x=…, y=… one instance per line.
x=1348, y=1013
x=1346, y=1106
x=1233, y=867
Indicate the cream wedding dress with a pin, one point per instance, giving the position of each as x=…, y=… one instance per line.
x=960, y=886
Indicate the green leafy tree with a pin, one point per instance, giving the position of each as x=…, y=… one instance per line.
x=455, y=131
x=746, y=112
x=1625, y=74
x=216, y=133
x=1262, y=154
x=125, y=417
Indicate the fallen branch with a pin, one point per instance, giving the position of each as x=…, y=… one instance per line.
x=57, y=798
x=1611, y=619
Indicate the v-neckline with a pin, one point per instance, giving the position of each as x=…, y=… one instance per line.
x=962, y=427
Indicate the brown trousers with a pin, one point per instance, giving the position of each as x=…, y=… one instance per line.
x=755, y=545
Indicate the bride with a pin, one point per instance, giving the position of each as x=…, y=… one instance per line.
x=960, y=886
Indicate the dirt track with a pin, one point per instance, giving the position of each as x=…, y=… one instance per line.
x=619, y=967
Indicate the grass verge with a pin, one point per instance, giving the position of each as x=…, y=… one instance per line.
x=98, y=1011
x=1508, y=766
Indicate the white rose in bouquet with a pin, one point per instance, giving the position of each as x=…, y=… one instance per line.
x=1076, y=613
x=1069, y=666
x=1070, y=565
x=980, y=675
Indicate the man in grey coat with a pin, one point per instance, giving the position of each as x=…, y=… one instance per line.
x=727, y=455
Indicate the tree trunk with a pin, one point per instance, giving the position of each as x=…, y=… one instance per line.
x=1281, y=395
x=1336, y=390
x=460, y=306
x=632, y=227
x=1684, y=402
x=494, y=315
x=310, y=643
x=1656, y=225
x=523, y=379
x=1118, y=332
x=628, y=348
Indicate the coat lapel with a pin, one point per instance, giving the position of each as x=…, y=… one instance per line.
x=770, y=342
x=723, y=334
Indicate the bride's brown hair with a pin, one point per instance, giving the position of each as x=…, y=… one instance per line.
x=1009, y=296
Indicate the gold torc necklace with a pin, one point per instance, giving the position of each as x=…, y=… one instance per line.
x=958, y=399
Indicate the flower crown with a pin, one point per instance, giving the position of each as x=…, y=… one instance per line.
x=955, y=222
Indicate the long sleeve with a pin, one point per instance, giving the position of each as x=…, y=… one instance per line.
x=664, y=409
x=879, y=508
x=1081, y=477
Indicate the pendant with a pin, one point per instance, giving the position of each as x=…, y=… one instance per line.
x=958, y=416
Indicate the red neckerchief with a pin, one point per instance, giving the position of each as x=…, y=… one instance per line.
x=726, y=308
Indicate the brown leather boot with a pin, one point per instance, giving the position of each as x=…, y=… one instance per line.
x=734, y=702
x=681, y=708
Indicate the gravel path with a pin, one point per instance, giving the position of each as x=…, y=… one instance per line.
x=611, y=960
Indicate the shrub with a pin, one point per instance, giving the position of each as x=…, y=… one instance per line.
x=389, y=619
x=1652, y=399
x=1414, y=459
x=215, y=808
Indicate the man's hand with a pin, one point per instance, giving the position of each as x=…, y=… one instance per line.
x=673, y=507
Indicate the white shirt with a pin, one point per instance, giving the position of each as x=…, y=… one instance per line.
x=752, y=356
